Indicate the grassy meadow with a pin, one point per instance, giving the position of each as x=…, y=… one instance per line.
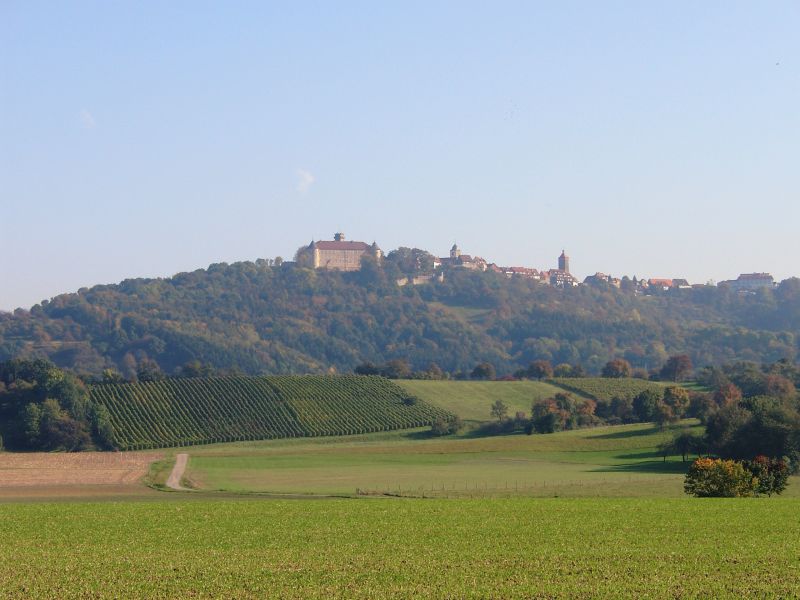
x=388, y=548
x=604, y=461
x=472, y=400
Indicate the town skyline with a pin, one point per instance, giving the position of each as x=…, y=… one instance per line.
x=543, y=266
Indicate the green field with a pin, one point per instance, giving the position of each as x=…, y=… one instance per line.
x=604, y=461
x=602, y=388
x=389, y=548
x=174, y=412
x=472, y=400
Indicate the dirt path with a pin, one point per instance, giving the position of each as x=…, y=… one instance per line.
x=174, y=480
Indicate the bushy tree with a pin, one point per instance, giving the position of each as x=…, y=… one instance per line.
x=772, y=474
x=563, y=370
x=664, y=414
x=540, y=369
x=483, y=370
x=367, y=368
x=718, y=478
x=112, y=376
x=677, y=368
x=677, y=398
x=617, y=368
x=756, y=426
x=445, y=426
x=645, y=404
x=410, y=261
x=727, y=394
x=148, y=370
x=194, y=368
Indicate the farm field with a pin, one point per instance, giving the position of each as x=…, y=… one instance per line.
x=603, y=388
x=472, y=400
x=389, y=548
x=206, y=410
x=80, y=474
x=604, y=461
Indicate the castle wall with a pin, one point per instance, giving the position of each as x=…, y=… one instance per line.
x=340, y=260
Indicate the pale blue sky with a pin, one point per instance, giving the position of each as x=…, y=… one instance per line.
x=144, y=139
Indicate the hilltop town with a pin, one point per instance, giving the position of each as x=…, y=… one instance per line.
x=343, y=255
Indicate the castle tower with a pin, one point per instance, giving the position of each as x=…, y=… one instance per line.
x=455, y=252
x=563, y=262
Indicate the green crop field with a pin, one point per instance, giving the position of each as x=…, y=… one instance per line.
x=472, y=400
x=602, y=388
x=603, y=461
x=223, y=409
x=390, y=548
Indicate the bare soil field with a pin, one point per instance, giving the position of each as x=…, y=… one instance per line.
x=43, y=474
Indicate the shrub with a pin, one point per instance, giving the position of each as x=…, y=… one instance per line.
x=717, y=478
x=445, y=426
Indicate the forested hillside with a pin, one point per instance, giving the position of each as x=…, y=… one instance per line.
x=255, y=318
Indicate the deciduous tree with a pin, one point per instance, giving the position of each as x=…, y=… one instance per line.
x=617, y=368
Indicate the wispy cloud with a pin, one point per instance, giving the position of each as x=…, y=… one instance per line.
x=87, y=119
x=305, y=179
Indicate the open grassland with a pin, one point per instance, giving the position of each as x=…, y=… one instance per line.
x=605, y=461
x=604, y=388
x=472, y=400
x=497, y=548
x=175, y=412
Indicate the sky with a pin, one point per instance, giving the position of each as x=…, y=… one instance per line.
x=142, y=139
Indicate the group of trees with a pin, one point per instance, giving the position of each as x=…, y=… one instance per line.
x=400, y=369
x=721, y=478
x=278, y=317
x=677, y=368
x=45, y=408
x=561, y=412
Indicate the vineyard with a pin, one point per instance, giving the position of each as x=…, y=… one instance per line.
x=601, y=388
x=179, y=412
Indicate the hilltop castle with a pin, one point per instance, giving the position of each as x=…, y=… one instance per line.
x=341, y=255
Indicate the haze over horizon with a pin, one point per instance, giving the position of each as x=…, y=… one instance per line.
x=146, y=140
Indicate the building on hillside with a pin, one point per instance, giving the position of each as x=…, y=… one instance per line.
x=751, y=282
x=559, y=278
x=659, y=283
x=342, y=255
x=524, y=272
x=602, y=278
x=681, y=284
x=463, y=261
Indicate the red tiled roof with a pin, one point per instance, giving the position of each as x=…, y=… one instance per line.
x=664, y=282
x=342, y=246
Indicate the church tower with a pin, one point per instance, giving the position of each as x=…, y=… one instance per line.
x=563, y=262
x=455, y=252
